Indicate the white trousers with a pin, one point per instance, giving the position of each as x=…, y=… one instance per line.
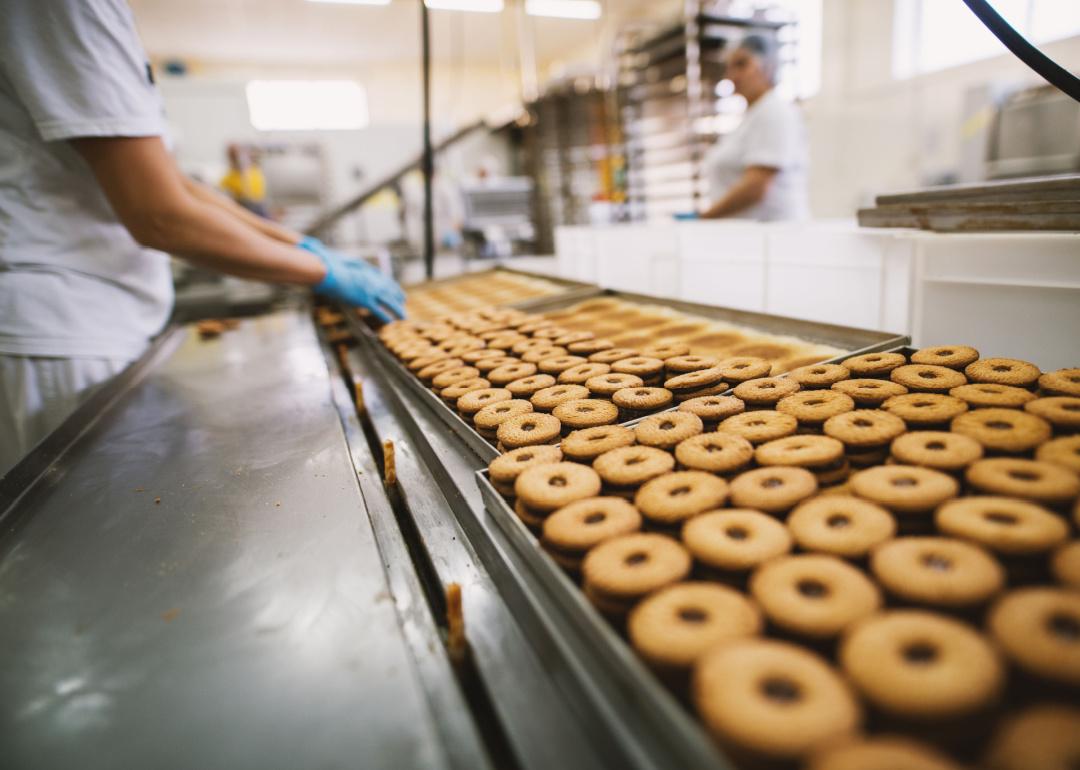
x=37, y=394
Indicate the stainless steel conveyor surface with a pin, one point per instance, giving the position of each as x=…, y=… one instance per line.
x=195, y=582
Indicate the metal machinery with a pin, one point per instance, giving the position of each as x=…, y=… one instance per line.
x=209, y=565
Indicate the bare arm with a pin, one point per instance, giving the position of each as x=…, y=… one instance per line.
x=750, y=189
x=268, y=228
x=161, y=211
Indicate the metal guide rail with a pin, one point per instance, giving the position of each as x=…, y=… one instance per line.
x=189, y=576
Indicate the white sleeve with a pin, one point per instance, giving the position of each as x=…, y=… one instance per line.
x=79, y=68
x=774, y=140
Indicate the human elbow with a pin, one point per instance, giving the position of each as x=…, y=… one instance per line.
x=156, y=227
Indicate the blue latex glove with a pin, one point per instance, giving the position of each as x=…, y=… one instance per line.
x=357, y=283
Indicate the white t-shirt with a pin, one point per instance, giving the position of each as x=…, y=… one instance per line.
x=73, y=282
x=771, y=134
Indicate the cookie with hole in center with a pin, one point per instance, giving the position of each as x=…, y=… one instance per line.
x=713, y=409
x=539, y=353
x=672, y=628
x=757, y=427
x=589, y=346
x=981, y=395
x=772, y=700
x=474, y=401
x=582, y=373
x=921, y=665
x=452, y=393
x=811, y=452
x=548, y=487
x=869, y=393
x=1064, y=451
x=922, y=410
x=672, y=498
x=585, y=413
x=571, y=531
x=546, y=399
x=1003, y=430
x=714, y=453
x=864, y=429
x=688, y=363
x=1042, y=482
x=695, y=380
x=1063, y=412
x=529, y=430
x=951, y=356
x=607, y=385
x=666, y=430
x=587, y=444
x=765, y=391
x=624, y=569
x=773, y=490
x=905, y=488
x=814, y=407
x=874, y=364
x=735, y=539
x=937, y=571
x=817, y=376
x=927, y=378
x=942, y=451
x=813, y=595
x=1039, y=629
x=647, y=368
x=527, y=387
x=488, y=419
x=612, y=355
x=1002, y=524
x=1004, y=371
x=638, y=401
x=840, y=525
x=631, y=466
x=505, y=468
x=1063, y=382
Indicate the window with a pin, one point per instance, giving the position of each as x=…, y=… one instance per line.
x=307, y=105
x=931, y=35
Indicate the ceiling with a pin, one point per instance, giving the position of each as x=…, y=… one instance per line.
x=298, y=32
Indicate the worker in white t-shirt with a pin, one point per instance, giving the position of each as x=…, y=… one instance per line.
x=90, y=201
x=758, y=171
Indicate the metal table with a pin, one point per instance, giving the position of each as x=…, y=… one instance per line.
x=190, y=576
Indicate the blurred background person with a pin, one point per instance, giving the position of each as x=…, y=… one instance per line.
x=759, y=170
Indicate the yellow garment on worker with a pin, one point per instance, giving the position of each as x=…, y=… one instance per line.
x=247, y=185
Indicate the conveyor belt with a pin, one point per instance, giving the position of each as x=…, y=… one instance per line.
x=195, y=579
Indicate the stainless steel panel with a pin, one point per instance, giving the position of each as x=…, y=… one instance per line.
x=194, y=581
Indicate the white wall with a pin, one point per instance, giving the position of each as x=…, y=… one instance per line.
x=870, y=133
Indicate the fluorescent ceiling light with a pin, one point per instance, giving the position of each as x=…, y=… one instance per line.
x=307, y=105
x=353, y=2
x=479, y=6
x=564, y=9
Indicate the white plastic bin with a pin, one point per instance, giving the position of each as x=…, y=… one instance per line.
x=639, y=257
x=723, y=263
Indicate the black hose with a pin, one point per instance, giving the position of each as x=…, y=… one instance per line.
x=1046, y=67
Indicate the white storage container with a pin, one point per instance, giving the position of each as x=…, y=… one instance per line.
x=575, y=252
x=1008, y=294
x=638, y=257
x=723, y=263
x=834, y=273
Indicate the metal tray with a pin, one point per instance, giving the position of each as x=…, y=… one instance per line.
x=570, y=288
x=853, y=340
x=640, y=691
x=838, y=336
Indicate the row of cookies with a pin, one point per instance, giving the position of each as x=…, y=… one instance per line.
x=496, y=367
x=635, y=325
x=464, y=293
x=951, y=574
